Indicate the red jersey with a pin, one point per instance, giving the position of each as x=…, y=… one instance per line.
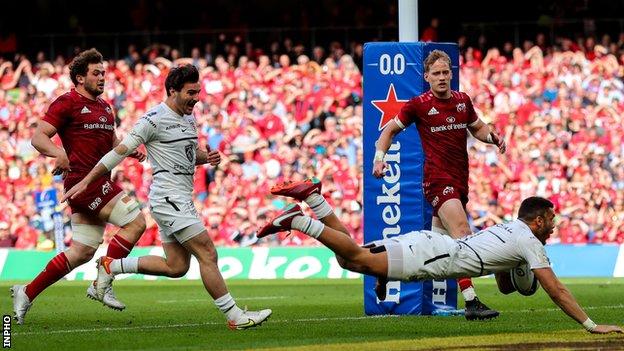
x=86, y=128
x=442, y=125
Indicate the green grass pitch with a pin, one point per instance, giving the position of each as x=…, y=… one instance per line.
x=307, y=315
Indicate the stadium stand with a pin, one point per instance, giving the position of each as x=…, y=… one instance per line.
x=280, y=114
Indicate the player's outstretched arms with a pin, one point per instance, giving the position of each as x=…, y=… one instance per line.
x=606, y=329
x=564, y=299
x=42, y=141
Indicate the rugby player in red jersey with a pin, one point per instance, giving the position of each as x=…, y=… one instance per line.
x=85, y=124
x=443, y=118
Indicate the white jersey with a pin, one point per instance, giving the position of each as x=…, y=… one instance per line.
x=424, y=254
x=171, y=143
x=499, y=248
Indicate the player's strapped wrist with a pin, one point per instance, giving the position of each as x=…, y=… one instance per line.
x=379, y=155
x=589, y=325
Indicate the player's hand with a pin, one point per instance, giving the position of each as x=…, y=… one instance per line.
x=75, y=191
x=214, y=157
x=379, y=169
x=498, y=141
x=138, y=155
x=61, y=165
x=606, y=329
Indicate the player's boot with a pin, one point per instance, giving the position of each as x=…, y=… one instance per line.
x=105, y=277
x=103, y=284
x=21, y=302
x=250, y=319
x=92, y=292
x=476, y=309
x=282, y=222
x=109, y=299
x=298, y=190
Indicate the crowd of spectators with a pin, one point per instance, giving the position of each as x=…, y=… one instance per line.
x=560, y=109
x=280, y=114
x=271, y=118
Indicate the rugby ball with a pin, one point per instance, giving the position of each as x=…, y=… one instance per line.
x=524, y=280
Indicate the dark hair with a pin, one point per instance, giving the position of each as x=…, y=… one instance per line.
x=80, y=64
x=434, y=56
x=533, y=207
x=179, y=76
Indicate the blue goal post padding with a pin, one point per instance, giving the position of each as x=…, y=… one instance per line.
x=395, y=204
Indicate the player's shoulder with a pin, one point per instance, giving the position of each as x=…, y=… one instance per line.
x=64, y=104
x=66, y=98
x=422, y=98
x=520, y=230
x=154, y=116
x=156, y=113
x=460, y=95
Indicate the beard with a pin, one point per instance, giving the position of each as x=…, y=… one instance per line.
x=93, y=89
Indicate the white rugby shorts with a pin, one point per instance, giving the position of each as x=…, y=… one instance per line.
x=418, y=255
x=174, y=214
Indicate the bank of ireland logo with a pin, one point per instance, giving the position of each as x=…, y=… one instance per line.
x=450, y=119
x=389, y=107
x=103, y=119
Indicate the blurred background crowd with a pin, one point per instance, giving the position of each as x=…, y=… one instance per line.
x=291, y=109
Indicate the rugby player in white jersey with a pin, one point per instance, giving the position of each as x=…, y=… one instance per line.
x=422, y=255
x=169, y=134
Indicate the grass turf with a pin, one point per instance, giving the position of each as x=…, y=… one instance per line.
x=307, y=315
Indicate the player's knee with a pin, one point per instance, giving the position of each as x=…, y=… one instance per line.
x=139, y=223
x=178, y=271
x=136, y=227
x=85, y=256
x=127, y=214
x=349, y=265
x=367, y=263
x=80, y=254
x=208, y=255
x=342, y=262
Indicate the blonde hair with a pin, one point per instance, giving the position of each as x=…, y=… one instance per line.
x=434, y=56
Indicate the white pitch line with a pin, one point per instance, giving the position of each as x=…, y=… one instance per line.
x=168, y=326
x=237, y=299
x=65, y=331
